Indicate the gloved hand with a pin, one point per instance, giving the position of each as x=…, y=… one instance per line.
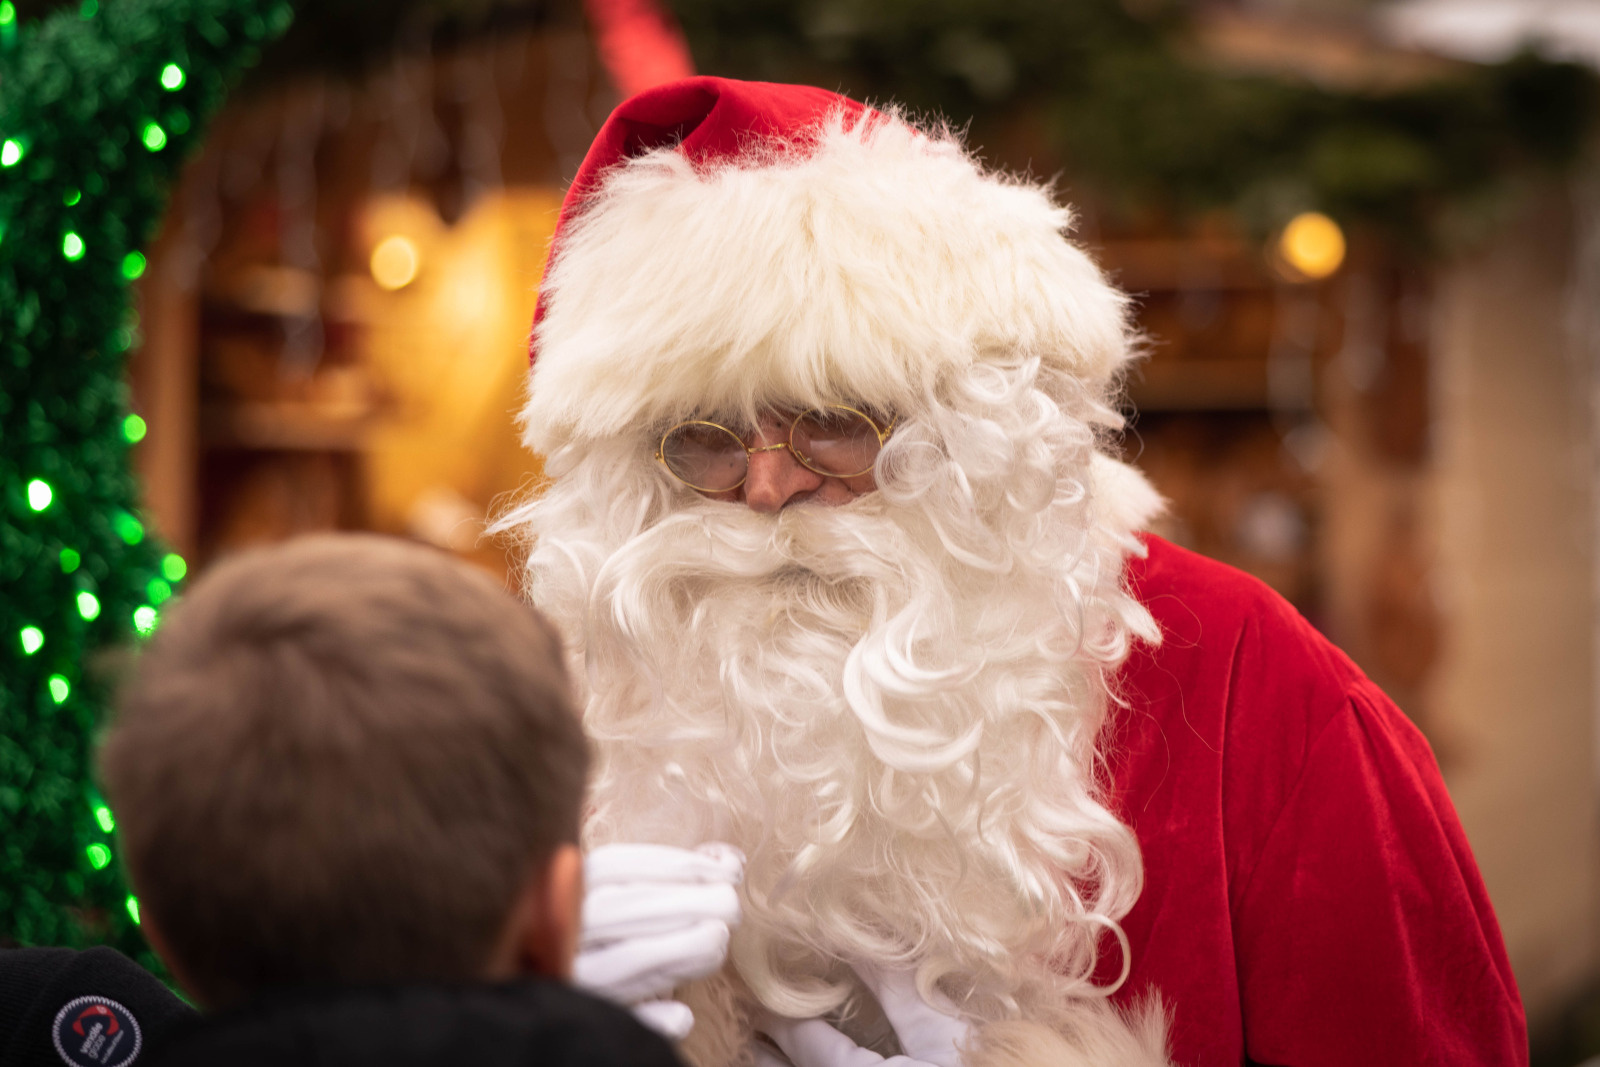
x=931, y=1033
x=654, y=917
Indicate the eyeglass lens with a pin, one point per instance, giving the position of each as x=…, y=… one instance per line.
x=706, y=456
x=835, y=441
x=709, y=457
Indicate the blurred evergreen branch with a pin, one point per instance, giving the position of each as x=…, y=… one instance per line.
x=1135, y=111
x=347, y=37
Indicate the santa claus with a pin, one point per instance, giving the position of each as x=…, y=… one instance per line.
x=853, y=583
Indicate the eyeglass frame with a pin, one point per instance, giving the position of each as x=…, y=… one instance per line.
x=883, y=435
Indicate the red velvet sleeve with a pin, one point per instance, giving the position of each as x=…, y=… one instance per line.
x=1309, y=895
x=1363, y=932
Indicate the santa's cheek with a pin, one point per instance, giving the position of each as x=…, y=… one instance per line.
x=860, y=485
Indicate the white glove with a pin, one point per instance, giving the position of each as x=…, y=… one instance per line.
x=931, y=1034
x=654, y=917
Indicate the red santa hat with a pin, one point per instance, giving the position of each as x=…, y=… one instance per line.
x=728, y=246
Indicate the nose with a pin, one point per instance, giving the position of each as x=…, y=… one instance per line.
x=776, y=478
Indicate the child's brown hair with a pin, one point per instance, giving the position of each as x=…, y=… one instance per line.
x=339, y=760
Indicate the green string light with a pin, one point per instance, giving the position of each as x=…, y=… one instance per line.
x=173, y=568
x=133, y=908
x=134, y=429
x=70, y=560
x=145, y=620
x=8, y=13
x=88, y=606
x=59, y=687
x=153, y=136
x=130, y=529
x=71, y=197
x=133, y=265
x=11, y=152
x=40, y=494
x=72, y=246
x=172, y=77
x=32, y=639
x=158, y=591
x=99, y=856
x=103, y=816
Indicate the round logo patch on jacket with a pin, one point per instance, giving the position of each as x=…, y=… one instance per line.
x=96, y=1032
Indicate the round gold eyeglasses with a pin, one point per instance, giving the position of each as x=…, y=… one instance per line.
x=836, y=441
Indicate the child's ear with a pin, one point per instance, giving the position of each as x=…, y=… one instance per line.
x=551, y=916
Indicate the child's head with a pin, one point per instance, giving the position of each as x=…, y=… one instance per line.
x=349, y=759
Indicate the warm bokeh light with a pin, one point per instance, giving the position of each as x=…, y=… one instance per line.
x=1313, y=245
x=395, y=262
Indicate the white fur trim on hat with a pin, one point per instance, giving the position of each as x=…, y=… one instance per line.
x=863, y=270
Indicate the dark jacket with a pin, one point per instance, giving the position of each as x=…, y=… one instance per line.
x=531, y=1022
x=95, y=1008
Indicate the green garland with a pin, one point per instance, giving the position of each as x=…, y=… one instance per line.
x=98, y=108
x=1130, y=109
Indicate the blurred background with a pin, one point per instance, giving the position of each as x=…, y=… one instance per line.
x=1364, y=240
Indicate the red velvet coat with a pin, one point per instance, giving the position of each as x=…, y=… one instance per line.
x=1310, y=898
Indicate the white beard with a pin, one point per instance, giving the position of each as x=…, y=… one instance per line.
x=892, y=707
